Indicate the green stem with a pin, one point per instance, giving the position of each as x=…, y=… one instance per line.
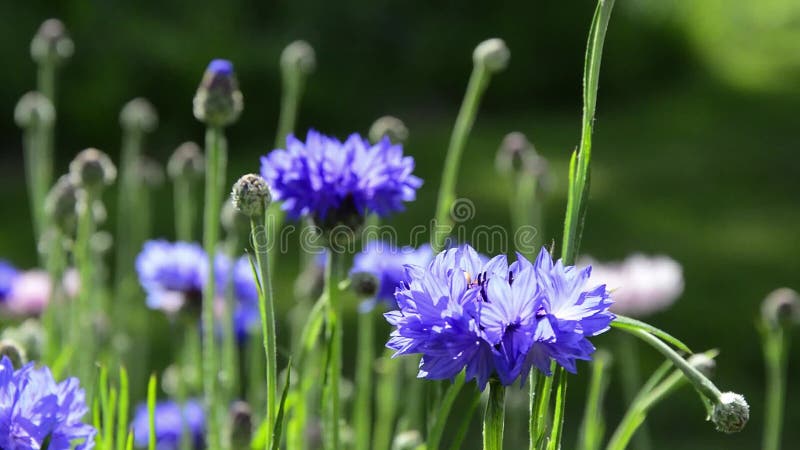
x=478, y=82
x=526, y=211
x=775, y=345
x=557, y=431
x=534, y=381
x=185, y=208
x=230, y=353
x=362, y=407
x=215, y=178
x=593, y=426
x=84, y=336
x=700, y=381
x=46, y=81
x=332, y=407
x=494, y=417
x=631, y=381
x=293, y=81
x=267, y=310
x=437, y=429
x=386, y=401
x=541, y=409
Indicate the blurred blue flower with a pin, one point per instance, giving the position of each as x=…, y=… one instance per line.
x=328, y=179
x=246, y=315
x=170, y=420
x=7, y=275
x=386, y=262
x=171, y=273
x=492, y=319
x=34, y=408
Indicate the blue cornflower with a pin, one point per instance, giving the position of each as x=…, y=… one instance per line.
x=34, y=409
x=333, y=181
x=492, y=319
x=171, y=420
x=386, y=262
x=171, y=273
x=7, y=275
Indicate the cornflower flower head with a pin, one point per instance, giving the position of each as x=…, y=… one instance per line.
x=386, y=262
x=462, y=312
x=337, y=183
x=171, y=420
x=35, y=410
x=172, y=274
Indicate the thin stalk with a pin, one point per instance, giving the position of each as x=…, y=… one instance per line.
x=34, y=142
x=332, y=406
x=185, y=208
x=593, y=426
x=557, y=431
x=267, y=311
x=362, y=407
x=46, y=81
x=534, y=391
x=541, y=410
x=386, y=401
x=478, y=82
x=84, y=308
x=631, y=381
x=215, y=178
x=703, y=385
x=151, y=413
x=526, y=211
x=494, y=417
x=230, y=353
x=437, y=429
x=775, y=347
x=188, y=359
x=56, y=307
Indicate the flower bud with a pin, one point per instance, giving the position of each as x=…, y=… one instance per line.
x=781, y=308
x=51, y=44
x=14, y=352
x=92, y=168
x=730, y=413
x=389, y=126
x=218, y=101
x=138, y=115
x=34, y=108
x=241, y=424
x=186, y=161
x=364, y=284
x=29, y=335
x=60, y=203
x=298, y=57
x=492, y=54
x=251, y=195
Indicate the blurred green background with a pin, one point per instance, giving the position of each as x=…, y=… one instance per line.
x=696, y=149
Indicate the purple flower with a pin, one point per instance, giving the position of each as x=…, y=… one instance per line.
x=7, y=275
x=332, y=180
x=386, y=262
x=171, y=273
x=220, y=67
x=171, y=420
x=34, y=408
x=462, y=312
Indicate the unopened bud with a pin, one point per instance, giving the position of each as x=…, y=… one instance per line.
x=13, y=352
x=60, y=203
x=493, y=54
x=34, y=109
x=389, y=126
x=781, y=308
x=218, y=101
x=187, y=161
x=92, y=168
x=51, y=44
x=138, y=115
x=251, y=195
x=241, y=424
x=299, y=57
x=731, y=413
x=364, y=284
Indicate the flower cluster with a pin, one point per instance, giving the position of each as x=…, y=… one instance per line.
x=495, y=319
x=171, y=420
x=386, y=262
x=35, y=409
x=331, y=180
x=173, y=276
x=642, y=284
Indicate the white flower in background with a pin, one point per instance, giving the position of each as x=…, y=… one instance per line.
x=640, y=285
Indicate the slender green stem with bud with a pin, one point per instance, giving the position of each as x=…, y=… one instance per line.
x=332, y=399
x=593, y=426
x=775, y=349
x=478, y=82
x=386, y=397
x=494, y=417
x=539, y=408
x=215, y=179
x=267, y=311
x=362, y=407
x=84, y=314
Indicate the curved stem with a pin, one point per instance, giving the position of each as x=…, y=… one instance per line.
x=332, y=399
x=478, y=82
x=775, y=350
x=494, y=417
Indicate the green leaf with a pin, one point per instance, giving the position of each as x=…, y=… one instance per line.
x=437, y=430
x=466, y=420
x=122, y=420
x=558, y=413
x=151, y=412
x=278, y=429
